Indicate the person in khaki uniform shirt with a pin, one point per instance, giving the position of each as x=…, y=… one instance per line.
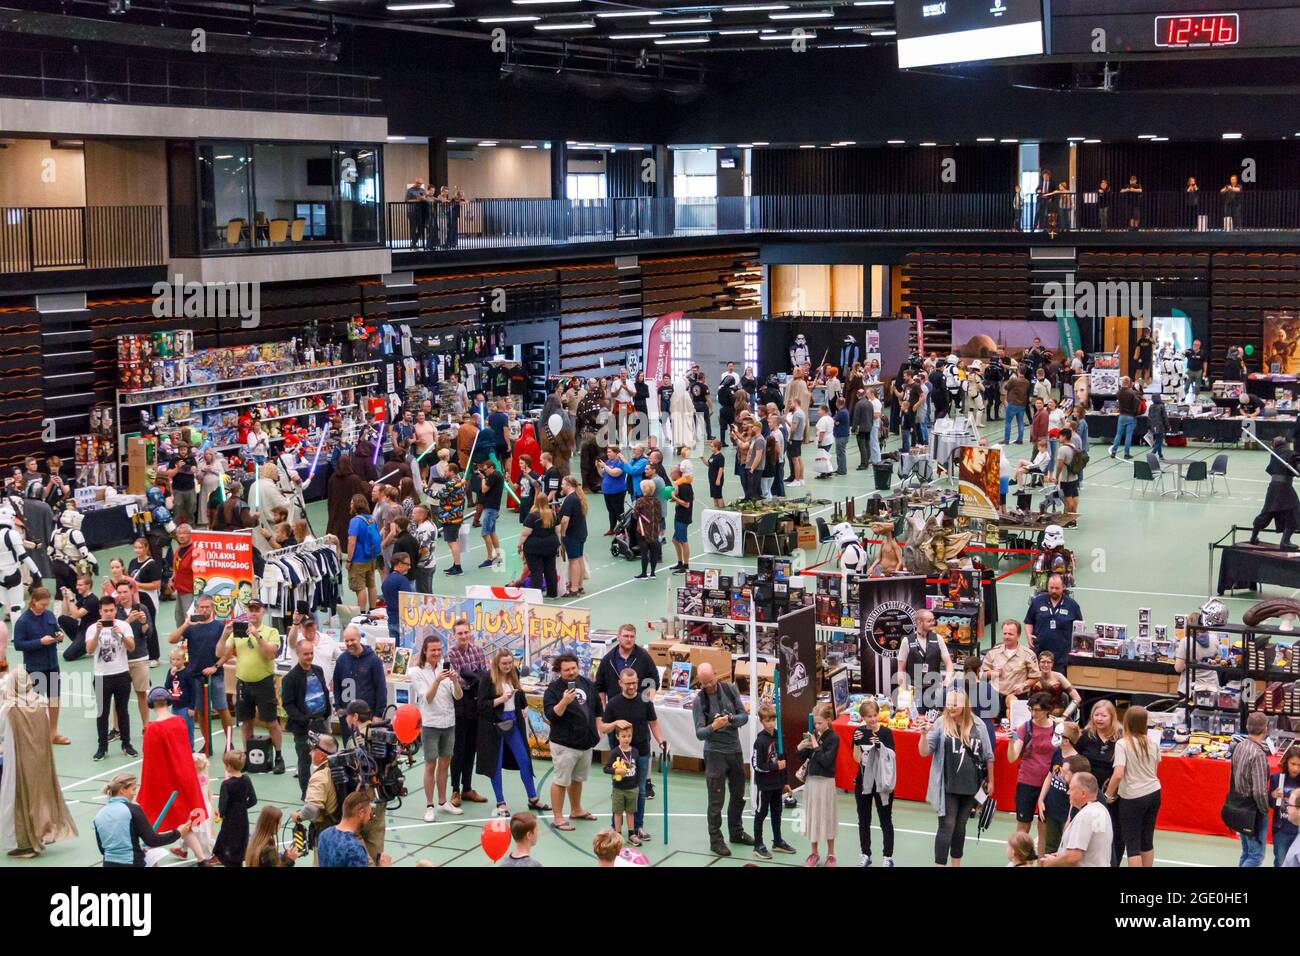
x=322, y=805
x=1010, y=667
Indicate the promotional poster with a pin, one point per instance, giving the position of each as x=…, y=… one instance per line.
x=888, y=615
x=796, y=676
x=978, y=476
x=223, y=570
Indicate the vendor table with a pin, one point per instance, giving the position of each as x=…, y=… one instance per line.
x=1241, y=566
x=913, y=774
x=1218, y=431
x=106, y=527
x=1192, y=788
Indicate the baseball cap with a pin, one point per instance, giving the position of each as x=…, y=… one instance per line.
x=254, y=602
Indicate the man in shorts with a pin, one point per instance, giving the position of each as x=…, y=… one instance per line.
x=798, y=420
x=255, y=648
x=491, y=484
x=571, y=705
x=202, y=632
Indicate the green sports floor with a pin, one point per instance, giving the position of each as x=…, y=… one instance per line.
x=1130, y=553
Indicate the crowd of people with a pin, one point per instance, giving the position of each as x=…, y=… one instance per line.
x=1056, y=207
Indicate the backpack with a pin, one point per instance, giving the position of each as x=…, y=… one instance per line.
x=1078, y=461
x=368, y=542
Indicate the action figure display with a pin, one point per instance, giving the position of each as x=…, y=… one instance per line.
x=853, y=557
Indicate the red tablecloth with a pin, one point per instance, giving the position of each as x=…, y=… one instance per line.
x=914, y=770
x=1192, y=788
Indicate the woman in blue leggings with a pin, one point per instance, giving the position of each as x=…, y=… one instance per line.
x=502, y=730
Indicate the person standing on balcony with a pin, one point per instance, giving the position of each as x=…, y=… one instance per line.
x=1103, y=204
x=453, y=218
x=417, y=211
x=1133, y=202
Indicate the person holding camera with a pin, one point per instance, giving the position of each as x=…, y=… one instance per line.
x=320, y=805
x=572, y=707
x=108, y=642
x=305, y=696
x=202, y=632
x=356, y=736
x=255, y=646
x=436, y=689
x=37, y=635
x=719, y=715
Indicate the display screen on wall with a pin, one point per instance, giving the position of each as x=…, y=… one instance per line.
x=959, y=31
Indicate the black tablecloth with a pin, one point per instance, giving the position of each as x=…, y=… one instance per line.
x=1221, y=431
x=1243, y=567
x=1266, y=389
x=107, y=527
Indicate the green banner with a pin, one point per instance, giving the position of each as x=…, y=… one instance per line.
x=1068, y=329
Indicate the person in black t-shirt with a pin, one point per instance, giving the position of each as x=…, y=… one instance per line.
x=539, y=543
x=573, y=529
x=700, y=399
x=717, y=472
x=491, y=483
x=180, y=472
x=631, y=708
x=80, y=610
x=684, y=500
x=1142, y=358
x=550, y=477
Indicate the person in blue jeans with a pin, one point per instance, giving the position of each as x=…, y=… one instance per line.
x=1017, y=395
x=1249, y=780
x=630, y=708
x=1128, y=412
x=502, y=734
x=841, y=434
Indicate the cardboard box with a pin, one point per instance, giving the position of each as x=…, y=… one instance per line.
x=766, y=672
x=660, y=653
x=1145, y=683
x=137, y=464
x=1083, y=675
x=719, y=657
x=807, y=537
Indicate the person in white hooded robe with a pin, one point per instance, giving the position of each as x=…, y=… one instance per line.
x=683, y=416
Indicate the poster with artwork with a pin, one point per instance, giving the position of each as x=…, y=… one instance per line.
x=796, y=678
x=721, y=531
x=1282, y=342
x=493, y=623
x=223, y=570
x=978, y=475
x=553, y=631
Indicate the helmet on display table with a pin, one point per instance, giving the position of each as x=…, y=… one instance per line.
x=853, y=557
x=1214, y=613
x=1053, y=536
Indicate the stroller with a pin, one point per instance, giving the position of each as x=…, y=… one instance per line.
x=625, y=543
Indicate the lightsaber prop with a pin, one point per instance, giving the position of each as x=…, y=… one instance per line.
x=379, y=443
x=166, y=806
x=380, y=481
x=320, y=442
x=1249, y=433
x=510, y=491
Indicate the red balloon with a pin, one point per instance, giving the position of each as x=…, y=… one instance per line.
x=495, y=838
x=406, y=723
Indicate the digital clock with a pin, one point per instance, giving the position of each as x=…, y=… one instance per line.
x=1197, y=30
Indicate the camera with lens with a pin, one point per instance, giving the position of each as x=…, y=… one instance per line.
x=373, y=760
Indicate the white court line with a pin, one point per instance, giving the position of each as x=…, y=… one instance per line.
x=847, y=825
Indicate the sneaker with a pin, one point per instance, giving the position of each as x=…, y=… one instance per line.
x=633, y=839
x=113, y=735
x=455, y=569
x=643, y=835
x=762, y=852
x=100, y=754
x=812, y=860
x=130, y=751
x=449, y=808
x=649, y=790
x=720, y=849
x=865, y=861
x=889, y=862
x=153, y=664
x=430, y=813
x=278, y=766
x=1112, y=453
x=639, y=577
x=743, y=838
x=780, y=846
x=488, y=563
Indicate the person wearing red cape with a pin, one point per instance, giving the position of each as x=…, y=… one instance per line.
x=168, y=768
x=526, y=445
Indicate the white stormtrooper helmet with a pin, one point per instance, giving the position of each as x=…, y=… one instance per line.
x=71, y=518
x=7, y=515
x=1214, y=613
x=844, y=534
x=1053, y=536
x=800, y=340
x=952, y=359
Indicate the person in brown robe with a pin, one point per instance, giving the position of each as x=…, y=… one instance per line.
x=33, y=813
x=340, y=488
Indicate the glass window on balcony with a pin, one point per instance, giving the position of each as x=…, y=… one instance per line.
x=586, y=186
x=357, y=171
x=225, y=188
x=294, y=193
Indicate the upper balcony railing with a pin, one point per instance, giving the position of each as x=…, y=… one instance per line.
x=36, y=238
x=508, y=223
x=158, y=81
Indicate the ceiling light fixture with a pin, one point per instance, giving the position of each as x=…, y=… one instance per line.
x=570, y=25
x=680, y=21
x=411, y=7
x=681, y=40
x=756, y=8
x=523, y=18
x=802, y=15
x=637, y=36
x=1232, y=136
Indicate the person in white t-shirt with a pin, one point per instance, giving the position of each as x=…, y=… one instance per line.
x=435, y=688
x=108, y=642
x=825, y=443
x=1089, y=835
